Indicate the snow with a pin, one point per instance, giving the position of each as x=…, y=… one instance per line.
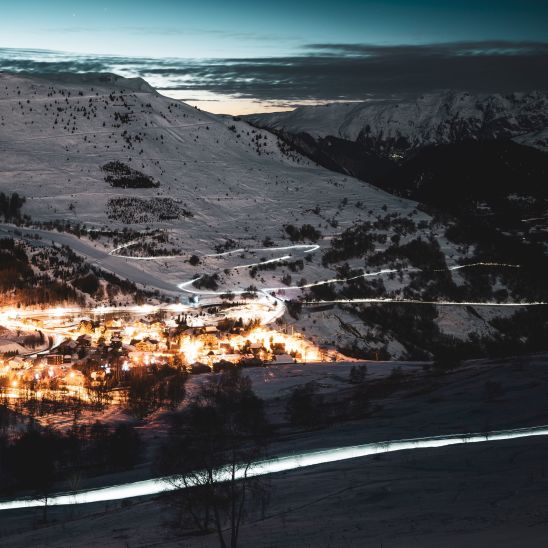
x=450, y=496
x=11, y=347
x=238, y=183
x=433, y=118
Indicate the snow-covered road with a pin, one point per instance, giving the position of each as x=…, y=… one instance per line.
x=120, y=265
x=112, y=263
x=273, y=466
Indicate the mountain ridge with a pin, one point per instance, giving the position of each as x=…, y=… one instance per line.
x=393, y=129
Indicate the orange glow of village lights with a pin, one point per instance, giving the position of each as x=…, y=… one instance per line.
x=191, y=350
x=196, y=349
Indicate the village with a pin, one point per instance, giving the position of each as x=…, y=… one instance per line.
x=83, y=354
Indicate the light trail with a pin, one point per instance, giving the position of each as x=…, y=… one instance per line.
x=332, y=280
x=385, y=271
x=114, y=253
x=502, y=265
x=277, y=260
x=286, y=463
x=277, y=304
x=307, y=248
x=185, y=286
x=417, y=301
x=58, y=312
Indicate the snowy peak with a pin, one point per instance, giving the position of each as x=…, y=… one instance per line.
x=398, y=127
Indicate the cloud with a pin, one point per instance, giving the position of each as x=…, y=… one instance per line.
x=322, y=71
x=443, y=49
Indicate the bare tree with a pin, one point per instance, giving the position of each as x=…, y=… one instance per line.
x=211, y=451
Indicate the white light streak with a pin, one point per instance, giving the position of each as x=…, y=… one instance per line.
x=417, y=301
x=276, y=465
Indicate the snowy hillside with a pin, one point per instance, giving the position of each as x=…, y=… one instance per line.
x=396, y=127
x=210, y=177
x=463, y=154
x=160, y=194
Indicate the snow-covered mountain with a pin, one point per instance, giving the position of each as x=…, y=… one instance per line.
x=450, y=150
x=195, y=194
x=209, y=176
x=393, y=128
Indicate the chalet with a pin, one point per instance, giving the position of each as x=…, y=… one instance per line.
x=98, y=375
x=174, y=346
x=68, y=346
x=16, y=363
x=146, y=345
x=73, y=377
x=226, y=347
x=115, y=342
x=55, y=359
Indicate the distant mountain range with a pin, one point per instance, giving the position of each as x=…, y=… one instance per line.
x=449, y=149
x=394, y=129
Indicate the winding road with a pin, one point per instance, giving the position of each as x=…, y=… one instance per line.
x=120, y=265
x=285, y=463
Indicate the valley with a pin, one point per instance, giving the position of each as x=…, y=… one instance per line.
x=155, y=258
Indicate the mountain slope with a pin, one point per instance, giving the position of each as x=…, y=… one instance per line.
x=56, y=139
x=394, y=129
x=455, y=151
x=181, y=201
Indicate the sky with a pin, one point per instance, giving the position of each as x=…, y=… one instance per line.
x=263, y=55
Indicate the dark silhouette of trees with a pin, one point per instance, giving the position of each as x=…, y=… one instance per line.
x=33, y=460
x=357, y=374
x=10, y=205
x=120, y=175
x=210, y=452
x=147, y=393
x=304, y=407
x=194, y=260
x=305, y=232
x=32, y=463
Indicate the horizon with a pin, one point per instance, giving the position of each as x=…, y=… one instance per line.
x=256, y=57
x=334, y=74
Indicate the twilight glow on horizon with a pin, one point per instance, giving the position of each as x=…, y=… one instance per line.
x=250, y=56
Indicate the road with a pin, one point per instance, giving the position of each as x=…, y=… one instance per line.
x=311, y=248
x=120, y=266
x=285, y=463
x=110, y=262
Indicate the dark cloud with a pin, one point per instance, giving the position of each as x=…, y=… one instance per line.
x=323, y=71
x=443, y=49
